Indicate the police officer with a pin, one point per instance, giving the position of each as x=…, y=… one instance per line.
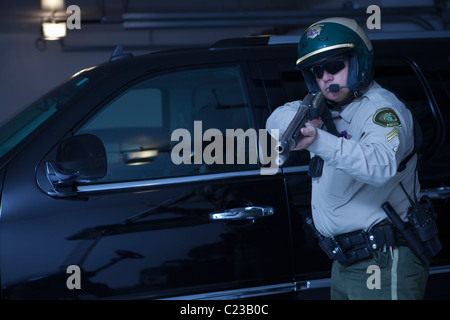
x=360, y=163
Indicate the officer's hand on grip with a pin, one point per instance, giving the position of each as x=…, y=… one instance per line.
x=309, y=132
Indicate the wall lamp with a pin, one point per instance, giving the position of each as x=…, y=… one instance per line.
x=51, y=28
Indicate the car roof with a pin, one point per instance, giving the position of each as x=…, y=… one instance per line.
x=431, y=40
x=375, y=36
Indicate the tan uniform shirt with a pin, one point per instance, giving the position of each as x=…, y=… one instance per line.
x=360, y=170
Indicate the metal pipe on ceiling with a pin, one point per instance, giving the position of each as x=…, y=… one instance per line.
x=269, y=18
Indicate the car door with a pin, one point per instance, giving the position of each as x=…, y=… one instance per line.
x=179, y=211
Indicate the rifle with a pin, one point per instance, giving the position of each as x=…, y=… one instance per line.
x=310, y=108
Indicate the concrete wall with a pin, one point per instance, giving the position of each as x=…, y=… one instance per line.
x=27, y=73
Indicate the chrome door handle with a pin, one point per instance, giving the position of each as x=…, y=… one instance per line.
x=244, y=213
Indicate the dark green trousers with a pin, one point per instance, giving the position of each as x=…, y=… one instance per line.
x=396, y=274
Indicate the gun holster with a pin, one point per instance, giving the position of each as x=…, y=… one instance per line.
x=420, y=233
x=422, y=219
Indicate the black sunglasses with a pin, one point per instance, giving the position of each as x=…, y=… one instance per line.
x=331, y=67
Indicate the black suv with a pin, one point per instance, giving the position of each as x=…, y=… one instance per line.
x=106, y=191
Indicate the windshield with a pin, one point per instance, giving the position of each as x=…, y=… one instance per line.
x=19, y=127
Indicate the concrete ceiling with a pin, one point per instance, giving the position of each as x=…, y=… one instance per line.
x=232, y=17
x=25, y=15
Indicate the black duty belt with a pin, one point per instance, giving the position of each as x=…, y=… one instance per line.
x=354, y=246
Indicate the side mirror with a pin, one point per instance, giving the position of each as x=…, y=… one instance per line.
x=79, y=158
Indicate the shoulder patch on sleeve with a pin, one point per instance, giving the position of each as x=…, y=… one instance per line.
x=386, y=118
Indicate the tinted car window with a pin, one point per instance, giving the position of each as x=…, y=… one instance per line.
x=155, y=129
x=400, y=77
x=24, y=123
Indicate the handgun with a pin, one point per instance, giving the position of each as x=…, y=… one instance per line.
x=406, y=231
x=310, y=108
